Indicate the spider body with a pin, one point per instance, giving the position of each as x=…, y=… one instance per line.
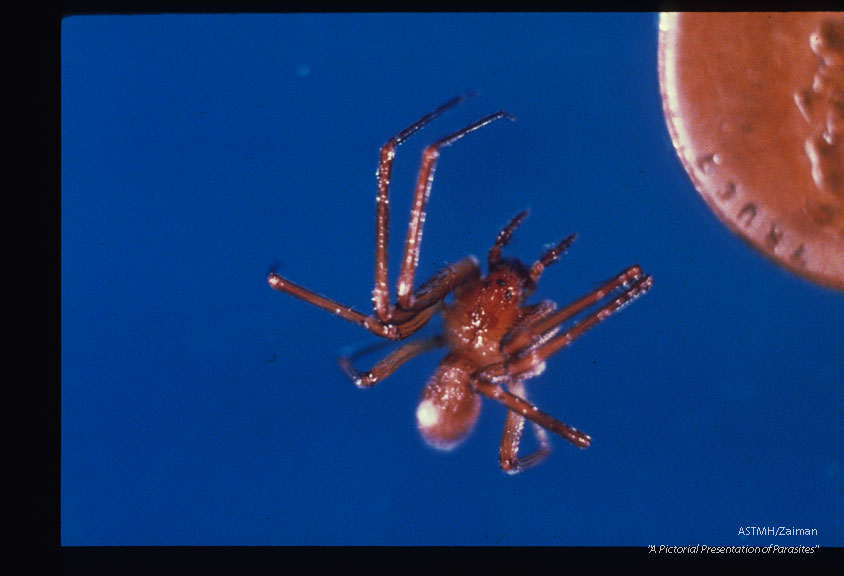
x=496, y=341
x=483, y=312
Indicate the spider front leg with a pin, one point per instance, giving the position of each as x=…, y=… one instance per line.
x=381, y=294
x=413, y=310
x=382, y=323
x=424, y=181
x=635, y=282
x=536, y=333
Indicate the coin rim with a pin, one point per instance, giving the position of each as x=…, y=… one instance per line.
x=667, y=25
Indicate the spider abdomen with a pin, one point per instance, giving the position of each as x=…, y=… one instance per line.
x=449, y=407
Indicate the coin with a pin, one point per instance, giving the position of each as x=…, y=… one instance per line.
x=755, y=107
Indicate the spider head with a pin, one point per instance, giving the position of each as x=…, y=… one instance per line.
x=485, y=309
x=508, y=281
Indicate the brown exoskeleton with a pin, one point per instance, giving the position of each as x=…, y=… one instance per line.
x=496, y=341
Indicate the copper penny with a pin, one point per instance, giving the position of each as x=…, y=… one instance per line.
x=755, y=107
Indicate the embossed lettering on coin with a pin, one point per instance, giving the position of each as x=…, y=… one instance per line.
x=754, y=103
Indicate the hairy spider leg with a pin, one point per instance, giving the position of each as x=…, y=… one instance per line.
x=402, y=325
x=414, y=309
x=508, y=452
x=528, y=361
x=529, y=334
x=524, y=408
x=390, y=322
x=549, y=257
x=504, y=237
x=436, y=288
x=381, y=294
x=428, y=297
x=281, y=284
x=531, y=346
x=420, y=198
x=390, y=363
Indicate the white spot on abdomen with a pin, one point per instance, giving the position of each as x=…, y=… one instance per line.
x=427, y=414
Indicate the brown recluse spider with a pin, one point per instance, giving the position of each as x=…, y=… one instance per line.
x=495, y=342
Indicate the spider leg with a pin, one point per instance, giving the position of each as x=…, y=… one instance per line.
x=530, y=347
x=508, y=453
x=535, y=356
x=529, y=335
x=533, y=314
x=549, y=257
x=387, y=365
x=428, y=298
x=414, y=309
x=371, y=323
x=281, y=284
x=381, y=294
x=443, y=282
x=403, y=322
x=527, y=410
x=504, y=238
x=417, y=214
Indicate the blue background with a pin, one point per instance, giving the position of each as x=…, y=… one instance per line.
x=201, y=407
